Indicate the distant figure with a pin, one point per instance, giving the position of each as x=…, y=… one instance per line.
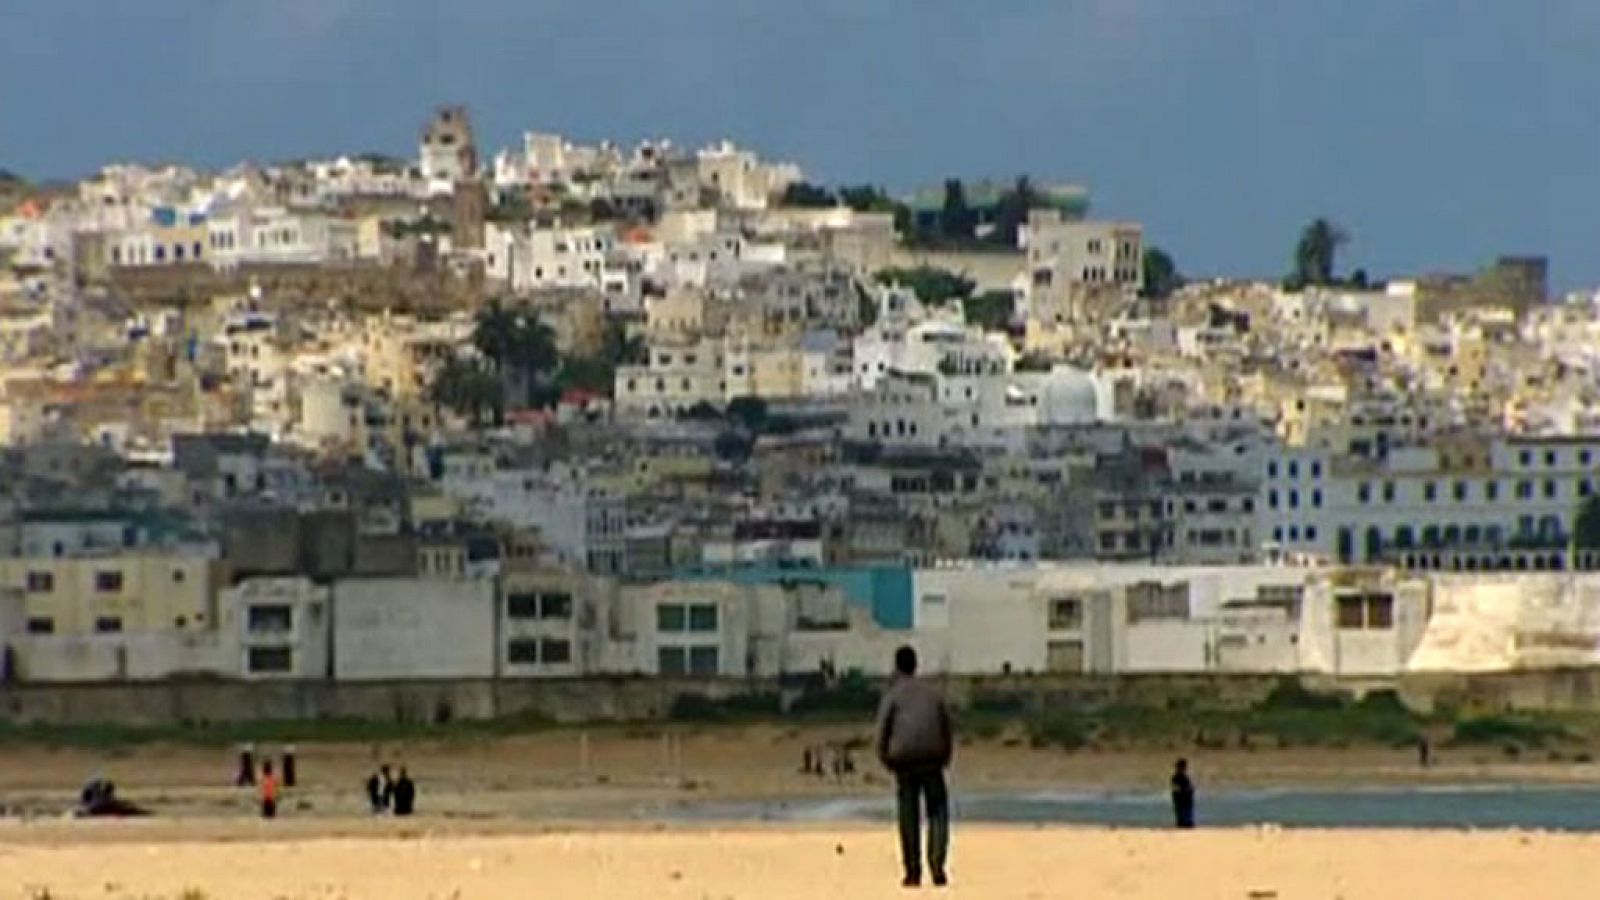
x=386, y=797
x=1424, y=752
x=247, y=767
x=914, y=742
x=405, y=794
x=269, y=791
x=99, y=798
x=289, y=766
x=1182, y=795
x=375, y=793
x=805, y=762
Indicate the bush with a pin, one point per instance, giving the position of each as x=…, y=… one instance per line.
x=700, y=708
x=1508, y=730
x=1066, y=730
x=1289, y=694
x=852, y=694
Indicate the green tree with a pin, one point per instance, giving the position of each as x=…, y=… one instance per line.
x=957, y=221
x=806, y=194
x=990, y=310
x=1161, y=276
x=518, y=347
x=1011, y=213
x=470, y=388
x=1586, y=530
x=620, y=348
x=751, y=412
x=933, y=286
x=1317, y=252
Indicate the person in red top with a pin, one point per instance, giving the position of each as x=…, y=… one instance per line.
x=269, y=792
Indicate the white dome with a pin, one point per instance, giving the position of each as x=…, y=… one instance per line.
x=1068, y=396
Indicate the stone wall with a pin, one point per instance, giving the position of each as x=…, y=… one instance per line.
x=629, y=699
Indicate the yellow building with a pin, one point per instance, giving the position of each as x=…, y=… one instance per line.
x=133, y=592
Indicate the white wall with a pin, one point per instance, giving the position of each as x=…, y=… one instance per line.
x=397, y=628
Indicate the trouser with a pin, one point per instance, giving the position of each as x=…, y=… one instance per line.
x=1183, y=812
x=269, y=809
x=913, y=788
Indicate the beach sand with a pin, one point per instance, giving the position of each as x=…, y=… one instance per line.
x=263, y=861
x=624, y=773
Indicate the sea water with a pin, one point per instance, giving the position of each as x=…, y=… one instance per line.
x=1476, y=806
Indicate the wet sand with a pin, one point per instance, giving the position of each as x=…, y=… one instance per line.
x=284, y=861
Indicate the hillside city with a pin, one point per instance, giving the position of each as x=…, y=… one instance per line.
x=584, y=409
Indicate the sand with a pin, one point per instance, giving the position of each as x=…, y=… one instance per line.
x=263, y=861
x=630, y=773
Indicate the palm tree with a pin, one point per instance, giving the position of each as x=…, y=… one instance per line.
x=469, y=388
x=520, y=348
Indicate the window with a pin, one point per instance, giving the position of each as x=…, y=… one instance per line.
x=672, y=660
x=1461, y=492
x=553, y=652
x=1583, y=457
x=272, y=618
x=1272, y=499
x=1066, y=614
x=703, y=661
x=1272, y=470
x=1491, y=490
x=1524, y=490
x=1364, y=492
x=1294, y=499
x=41, y=625
x=1388, y=492
x=1372, y=612
x=108, y=582
x=270, y=659
x=1429, y=491
x=1549, y=488
x=671, y=617
x=1316, y=469
x=522, y=651
x=555, y=606
x=1550, y=457
x=1525, y=458
x=702, y=617
x=522, y=606
x=1294, y=469
x=41, y=582
x=1316, y=497
x=1311, y=532
x=108, y=624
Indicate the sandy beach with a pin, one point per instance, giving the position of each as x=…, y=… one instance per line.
x=261, y=861
x=590, y=814
x=632, y=773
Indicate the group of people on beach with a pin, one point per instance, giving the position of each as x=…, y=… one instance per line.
x=390, y=795
x=915, y=743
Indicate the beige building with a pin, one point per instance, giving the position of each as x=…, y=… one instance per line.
x=132, y=592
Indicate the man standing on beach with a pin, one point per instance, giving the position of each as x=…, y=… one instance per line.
x=914, y=743
x=1182, y=795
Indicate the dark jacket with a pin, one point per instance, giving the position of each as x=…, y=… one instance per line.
x=913, y=726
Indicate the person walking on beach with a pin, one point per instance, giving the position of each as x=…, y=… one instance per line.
x=914, y=742
x=269, y=792
x=1182, y=795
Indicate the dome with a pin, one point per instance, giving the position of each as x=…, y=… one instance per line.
x=1069, y=396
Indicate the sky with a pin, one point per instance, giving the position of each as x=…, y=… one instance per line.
x=1438, y=134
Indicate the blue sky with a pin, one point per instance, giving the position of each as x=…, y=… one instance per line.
x=1437, y=133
